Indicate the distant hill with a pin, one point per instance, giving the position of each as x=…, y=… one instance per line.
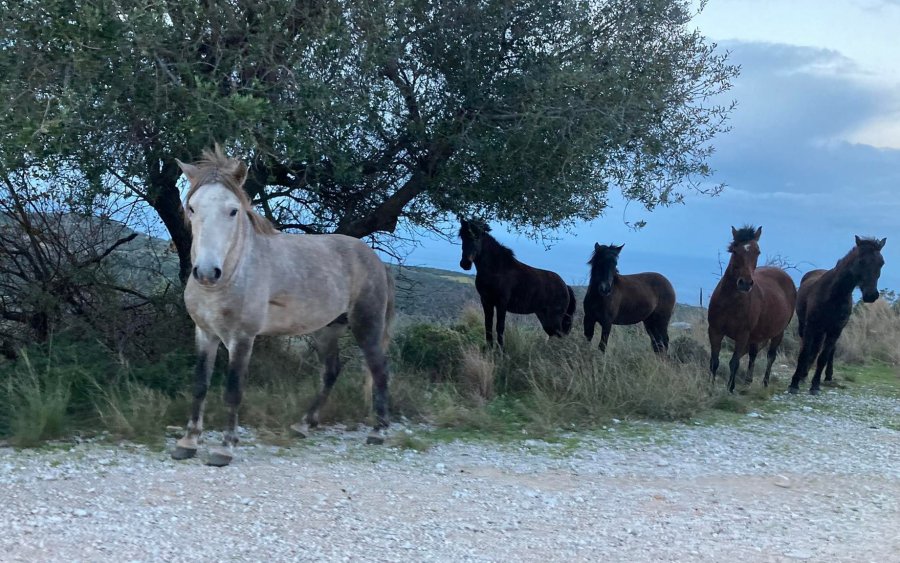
x=442, y=294
x=148, y=263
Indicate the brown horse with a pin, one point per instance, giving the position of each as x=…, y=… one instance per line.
x=750, y=305
x=824, y=303
x=625, y=300
x=508, y=285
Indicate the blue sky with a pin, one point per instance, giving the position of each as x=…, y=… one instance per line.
x=813, y=155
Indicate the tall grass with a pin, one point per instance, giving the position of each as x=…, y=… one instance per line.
x=441, y=374
x=873, y=334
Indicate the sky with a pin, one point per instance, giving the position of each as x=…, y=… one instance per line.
x=813, y=155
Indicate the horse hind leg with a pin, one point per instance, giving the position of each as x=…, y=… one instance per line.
x=751, y=362
x=658, y=329
x=368, y=330
x=326, y=344
x=770, y=357
x=827, y=351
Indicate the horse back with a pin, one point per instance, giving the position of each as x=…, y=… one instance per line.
x=636, y=297
x=524, y=289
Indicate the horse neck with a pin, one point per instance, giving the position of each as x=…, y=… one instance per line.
x=493, y=255
x=843, y=281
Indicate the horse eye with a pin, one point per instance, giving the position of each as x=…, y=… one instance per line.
x=233, y=212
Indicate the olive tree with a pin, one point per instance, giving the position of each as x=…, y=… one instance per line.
x=361, y=116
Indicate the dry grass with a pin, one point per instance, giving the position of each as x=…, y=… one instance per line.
x=873, y=334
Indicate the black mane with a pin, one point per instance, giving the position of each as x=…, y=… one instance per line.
x=745, y=234
x=597, y=258
x=869, y=243
x=490, y=245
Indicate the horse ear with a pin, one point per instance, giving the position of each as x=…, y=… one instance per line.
x=240, y=173
x=619, y=248
x=189, y=170
x=733, y=232
x=757, y=234
x=881, y=243
x=596, y=247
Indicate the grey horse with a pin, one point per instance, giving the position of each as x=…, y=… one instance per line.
x=249, y=279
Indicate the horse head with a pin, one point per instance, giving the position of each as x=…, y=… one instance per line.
x=867, y=266
x=744, y=249
x=604, y=266
x=470, y=232
x=218, y=211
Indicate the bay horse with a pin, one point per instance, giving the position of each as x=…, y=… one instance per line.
x=618, y=299
x=248, y=279
x=824, y=304
x=750, y=305
x=507, y=285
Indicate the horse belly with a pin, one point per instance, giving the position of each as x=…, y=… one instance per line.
x=284, y=316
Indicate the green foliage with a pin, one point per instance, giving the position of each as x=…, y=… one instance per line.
x=359, y=114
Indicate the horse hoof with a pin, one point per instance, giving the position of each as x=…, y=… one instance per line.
x=181, y=453
x=375, y=438
x=300, y=430
x=793, y=390
x=814, y=391
x=219, y=458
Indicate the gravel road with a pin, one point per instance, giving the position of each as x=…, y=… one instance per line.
x=819, y=481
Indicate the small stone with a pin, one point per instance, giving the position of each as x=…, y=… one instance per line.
x=782, y=481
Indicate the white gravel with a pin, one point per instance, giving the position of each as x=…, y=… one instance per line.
x=819, y=481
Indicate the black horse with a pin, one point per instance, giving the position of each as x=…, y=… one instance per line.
x=508, y=285
x=625, y=300
x=824, y=304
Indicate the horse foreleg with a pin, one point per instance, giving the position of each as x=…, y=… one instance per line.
x=809, y=349
x=488, y=309
x=829, y=368
x=740, y=348
x=715, y=346
x=207, y=346
x=589, y=322
x=239, y=351
x=770, y=357
x=827, y=351
x=501, y=324
x=605, y=329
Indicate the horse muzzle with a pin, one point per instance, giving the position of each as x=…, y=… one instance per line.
x=465, y=263
x=870, y=296
x=744, y=286
x=207, y=276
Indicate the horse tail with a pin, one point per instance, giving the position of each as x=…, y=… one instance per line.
x=389, y=312
x=570, y=312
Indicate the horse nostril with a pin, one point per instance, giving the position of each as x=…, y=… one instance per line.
x=217, y=272
x=194, y=271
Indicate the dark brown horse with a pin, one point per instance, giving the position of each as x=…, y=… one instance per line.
x=508, y=285
x=626, y=300
x=824, y=303
x=750, y=305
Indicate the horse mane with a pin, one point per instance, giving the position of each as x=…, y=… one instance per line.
x=745, y=234
x=214, y=167
x=867, y=244
x=503, y=253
